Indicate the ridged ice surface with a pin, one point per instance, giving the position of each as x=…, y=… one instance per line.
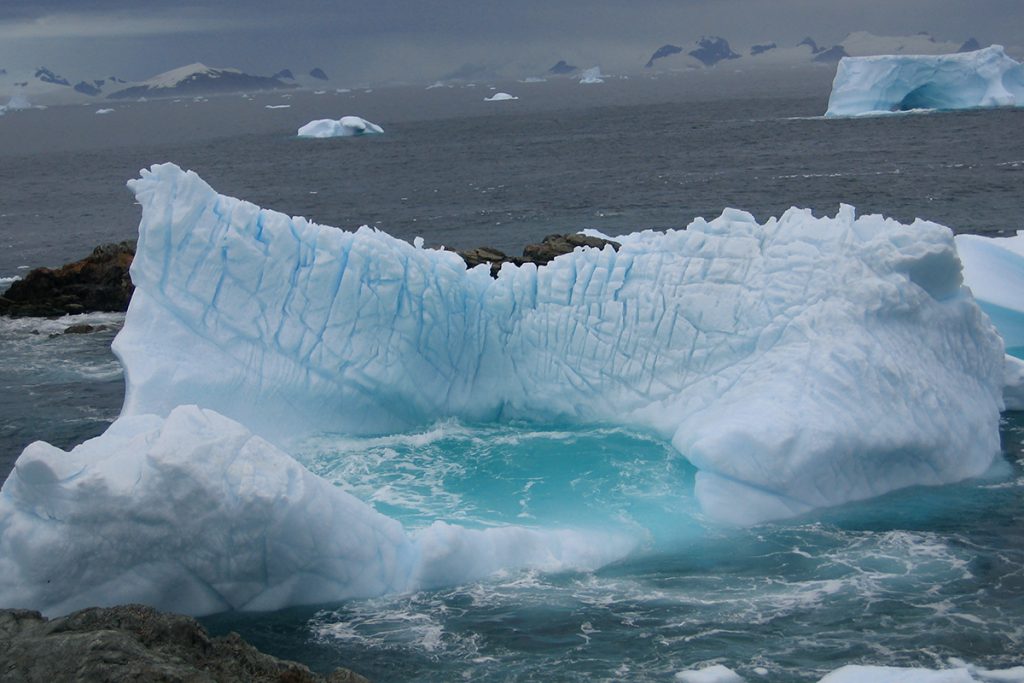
x=886, y=83
x=800, y=363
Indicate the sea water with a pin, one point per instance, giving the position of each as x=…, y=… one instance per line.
x=914, y=578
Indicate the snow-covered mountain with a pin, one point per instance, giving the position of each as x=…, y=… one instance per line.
x=199, y=79
x=712, y=50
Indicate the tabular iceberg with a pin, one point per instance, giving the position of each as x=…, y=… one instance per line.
x=801, y=363
x=346, y=126
x=887, y=83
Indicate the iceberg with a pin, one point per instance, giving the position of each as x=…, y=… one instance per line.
x=500, y=97
x=194, y=513
x=800, y=363
x=888, y=83
x=591, y=76
x=18, y=102
x=994, y=270
x=346, y=126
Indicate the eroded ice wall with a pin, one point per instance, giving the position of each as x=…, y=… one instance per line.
x=799, y=363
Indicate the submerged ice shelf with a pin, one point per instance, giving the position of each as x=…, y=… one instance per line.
x=799, y=363
x=888, y=83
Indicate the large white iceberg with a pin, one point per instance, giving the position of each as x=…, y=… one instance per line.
x=346, y=126
x=193, y=513
x=800, y=363
x=887, y=83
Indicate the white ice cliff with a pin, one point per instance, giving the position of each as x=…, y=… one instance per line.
x=887, y=83
x=346, y=126
x=799, y=363
x=805, y=362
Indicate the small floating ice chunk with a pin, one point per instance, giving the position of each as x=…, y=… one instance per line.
x=104, y=111
x=277, y=106
x=18, y=102
x=959, y=672
x=500, y=97
x=716, y=673
x=591, y=76
x=346, y=126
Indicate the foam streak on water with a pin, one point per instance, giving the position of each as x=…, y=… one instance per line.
x=917, y=578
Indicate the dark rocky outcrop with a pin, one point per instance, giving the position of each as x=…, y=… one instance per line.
x=563, y=68
x=92, y=89
x=539, y=254
x=318, y=73
x=761, y=49
x=970, y=45
x=99, y=282
x=712, y=50
x=284, y=73
x=809, y=42
x=136, y=643
x=47, y=76
x=663, y=51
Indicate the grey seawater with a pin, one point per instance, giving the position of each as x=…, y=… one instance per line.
x=911, y=579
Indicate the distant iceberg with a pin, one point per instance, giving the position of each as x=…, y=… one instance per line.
x=889, y=83
x=346, y=126
x=18, y=102
x=500, y=97
x=591, y=76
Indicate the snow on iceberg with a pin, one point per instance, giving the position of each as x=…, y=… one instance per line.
x=887, y=83
x=500, y=97
x=801, y=363
x=346, y=126
x=193, y=513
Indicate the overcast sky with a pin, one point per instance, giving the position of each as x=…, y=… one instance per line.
x=413, y=40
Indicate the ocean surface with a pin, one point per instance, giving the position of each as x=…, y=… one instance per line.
x=911, y=579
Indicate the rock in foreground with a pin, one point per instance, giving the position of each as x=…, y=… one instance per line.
x=99, y=282
x=136, y=643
